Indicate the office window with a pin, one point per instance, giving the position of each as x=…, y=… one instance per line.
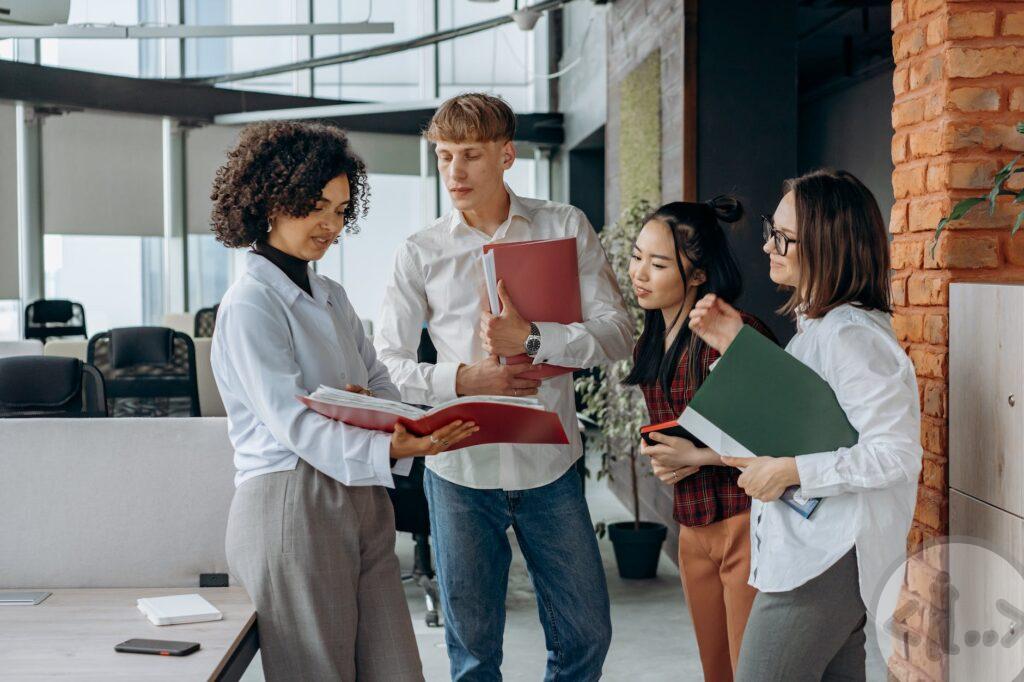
x=363, y=262
x=115, y=56
x=7, y=49
x=10, y=311
x=212, y=268
x=117, y=278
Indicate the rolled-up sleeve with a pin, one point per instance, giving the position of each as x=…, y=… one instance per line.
x=262, y=353
x=606, y=333
x=402, y=316
x=880, y=399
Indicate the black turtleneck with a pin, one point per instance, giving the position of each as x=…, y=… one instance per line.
x=296, y=268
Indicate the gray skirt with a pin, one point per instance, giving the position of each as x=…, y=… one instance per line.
x=318, y=560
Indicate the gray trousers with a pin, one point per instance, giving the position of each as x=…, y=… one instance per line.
x=815, y=632
x=318, y=560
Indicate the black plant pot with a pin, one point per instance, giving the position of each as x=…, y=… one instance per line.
x=637, y=549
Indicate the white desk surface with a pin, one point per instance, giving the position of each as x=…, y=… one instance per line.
x=72, y=635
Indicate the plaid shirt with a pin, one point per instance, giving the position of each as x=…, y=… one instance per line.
x=711, y=494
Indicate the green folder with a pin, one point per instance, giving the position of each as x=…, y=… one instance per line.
x=764, y=400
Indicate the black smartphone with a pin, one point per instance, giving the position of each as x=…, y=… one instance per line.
x=160, y=647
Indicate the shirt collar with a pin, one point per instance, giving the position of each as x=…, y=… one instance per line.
x=269, y=274
x=517, y=208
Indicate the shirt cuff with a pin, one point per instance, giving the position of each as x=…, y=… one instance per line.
x=380, y=457
x=554, y=338
x=402, y=467
x=815, y=473
x=442, y=381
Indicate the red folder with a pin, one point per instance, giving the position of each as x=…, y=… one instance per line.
x=543, y=280
x=498, y=423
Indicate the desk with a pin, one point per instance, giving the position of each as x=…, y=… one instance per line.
x=72, y=635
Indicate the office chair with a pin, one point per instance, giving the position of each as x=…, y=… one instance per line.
x=412, y=515
x=206, y=320
x=149, y=371
x=53, y=318
x=39, y=386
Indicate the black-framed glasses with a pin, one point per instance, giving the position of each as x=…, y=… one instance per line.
x=782, y=241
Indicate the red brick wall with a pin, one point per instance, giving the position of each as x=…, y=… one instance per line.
x=959, y=86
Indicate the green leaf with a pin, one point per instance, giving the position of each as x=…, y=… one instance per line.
x=958, y=212
x=1019, y=199
x=1016, y=223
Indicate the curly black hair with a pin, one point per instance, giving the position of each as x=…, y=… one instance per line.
x=282, y=167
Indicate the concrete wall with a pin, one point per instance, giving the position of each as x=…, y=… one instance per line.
x=851, y=129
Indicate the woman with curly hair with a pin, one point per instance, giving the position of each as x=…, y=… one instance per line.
x=311, y=531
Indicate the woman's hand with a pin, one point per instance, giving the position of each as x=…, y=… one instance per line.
x=716, y=322
x=765, y=478
x=673, y=452
x=667, y=474
x=352, y=388
x=404, y=444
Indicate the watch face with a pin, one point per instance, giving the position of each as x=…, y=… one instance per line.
x=532, y=346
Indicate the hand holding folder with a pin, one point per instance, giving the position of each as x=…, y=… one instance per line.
x=501, y=419
x=542, y=279
x=760, y=400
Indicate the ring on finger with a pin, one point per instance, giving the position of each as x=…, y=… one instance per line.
x=444, y=443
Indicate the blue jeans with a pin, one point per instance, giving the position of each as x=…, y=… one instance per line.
x=472, y=552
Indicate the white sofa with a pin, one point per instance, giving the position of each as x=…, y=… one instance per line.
x=113, y=502
x=10, y=349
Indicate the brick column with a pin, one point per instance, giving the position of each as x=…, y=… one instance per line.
x=959, y=86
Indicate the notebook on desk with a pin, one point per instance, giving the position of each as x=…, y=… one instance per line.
x=22, y=598
x=178, y=609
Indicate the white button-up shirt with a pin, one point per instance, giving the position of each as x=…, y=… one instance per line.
x=869, y=489
x=438, y=279
x=273, y=342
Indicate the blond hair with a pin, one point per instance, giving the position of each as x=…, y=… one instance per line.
x=472, y=117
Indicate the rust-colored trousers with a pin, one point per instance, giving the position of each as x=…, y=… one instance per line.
x=714, y=563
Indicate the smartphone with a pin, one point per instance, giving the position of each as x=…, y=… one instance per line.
x=160, y=647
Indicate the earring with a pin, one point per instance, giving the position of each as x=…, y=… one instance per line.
x=270, y=225
x=336, y=240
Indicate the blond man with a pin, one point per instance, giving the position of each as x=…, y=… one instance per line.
x=477, y=494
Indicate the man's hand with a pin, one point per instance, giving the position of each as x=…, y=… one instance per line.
x=765, y=478
x=490, y=377
x=504, y=334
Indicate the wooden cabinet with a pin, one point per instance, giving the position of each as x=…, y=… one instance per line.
x=986, y=393
x=986, y=472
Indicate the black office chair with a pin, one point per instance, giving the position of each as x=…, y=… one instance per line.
x=413, y=516
x=39, y=386
x=149, y=371
x=206, y=320
x=53, y=318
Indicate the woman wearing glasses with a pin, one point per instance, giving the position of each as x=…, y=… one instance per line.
x=311, y=532
x=680, y=255
x=818, y=578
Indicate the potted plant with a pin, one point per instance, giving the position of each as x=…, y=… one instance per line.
x=997, y=190
x=619, y=412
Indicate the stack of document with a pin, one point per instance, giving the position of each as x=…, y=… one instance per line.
x=178, y=609
x=502, y=419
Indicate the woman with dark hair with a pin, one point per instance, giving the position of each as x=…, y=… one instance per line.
x=818, y=578
x=680, y=255
x=311, y=531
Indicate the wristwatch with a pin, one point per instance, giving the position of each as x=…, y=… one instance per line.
x=533, y=341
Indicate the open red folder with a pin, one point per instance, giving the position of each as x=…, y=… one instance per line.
x=543, y=280
x=501, y=419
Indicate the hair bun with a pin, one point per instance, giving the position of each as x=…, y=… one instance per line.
x=728, y=209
